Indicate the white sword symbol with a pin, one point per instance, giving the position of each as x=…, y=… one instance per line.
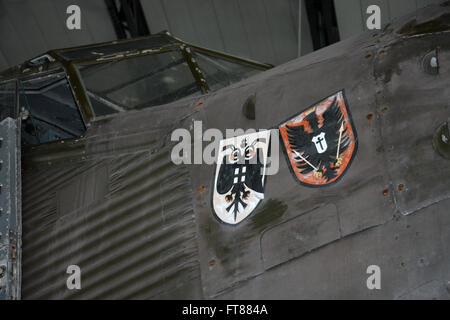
x=340, y=137
x=300, y=156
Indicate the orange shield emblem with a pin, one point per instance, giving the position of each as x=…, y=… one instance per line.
x=320, y=142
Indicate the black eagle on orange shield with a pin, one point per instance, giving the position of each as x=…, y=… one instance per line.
x=320, y=142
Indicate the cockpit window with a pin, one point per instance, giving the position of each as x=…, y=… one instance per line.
x=220, y=72
x=48, y=110
x=138, y=82
x=114, y=77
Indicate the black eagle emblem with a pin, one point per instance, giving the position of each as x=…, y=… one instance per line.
x=236, y=181
x=319, y=140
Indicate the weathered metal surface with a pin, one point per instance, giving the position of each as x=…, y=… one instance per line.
x=368, y=197
x=120, y=210
x=411, y=251
x=389, y=209
x=10, y=210
x=412, y=104
x=302, y=234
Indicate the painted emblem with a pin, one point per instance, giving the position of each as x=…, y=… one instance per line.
x=240, y=176
x=320, y=142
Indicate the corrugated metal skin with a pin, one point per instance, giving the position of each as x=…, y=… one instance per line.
x=133, y=235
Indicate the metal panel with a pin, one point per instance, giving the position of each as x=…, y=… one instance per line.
x=10, y=210
x=412, y=253
x=116, y=206
x=237, y=252
x=302, y=234
x=232, y=261
x=412, y=161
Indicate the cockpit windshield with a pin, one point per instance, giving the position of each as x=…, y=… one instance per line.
x=220, y=72
x=138, y=82
x=156, y=79
x=59, y=93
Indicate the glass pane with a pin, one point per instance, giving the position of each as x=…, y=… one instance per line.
x=139, y=82
x=8, y=100
x=220, y=73
x=52, y=112
x=42, y=81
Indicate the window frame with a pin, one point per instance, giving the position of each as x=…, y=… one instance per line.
x=54, y=60
x=65, y=77
x=172, y=48
x=79, y=89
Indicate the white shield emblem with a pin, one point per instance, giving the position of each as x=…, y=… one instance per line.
x=240, y=176
x=320, y=143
